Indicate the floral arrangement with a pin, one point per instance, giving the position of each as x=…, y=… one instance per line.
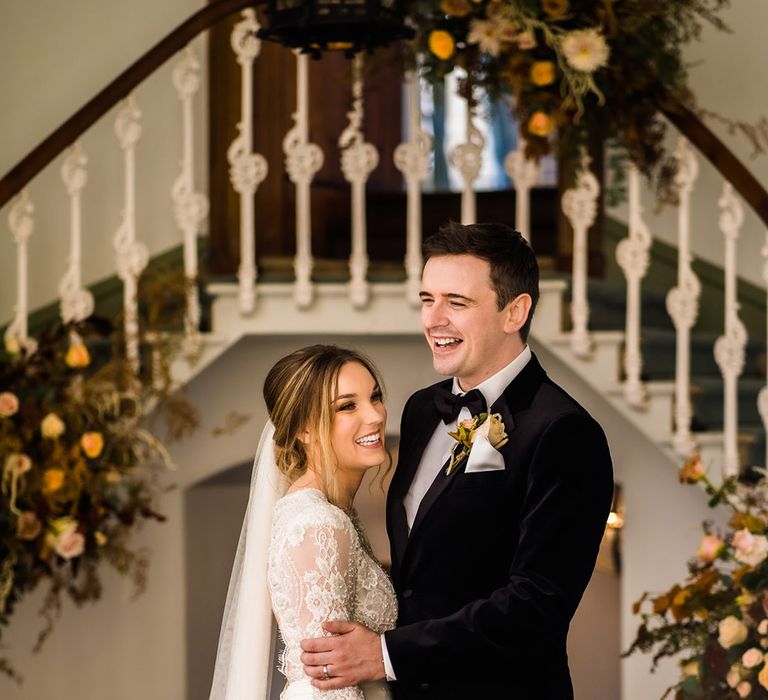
x=79, y=466
x=488, y=425
x=577, y=69
x=716, y=621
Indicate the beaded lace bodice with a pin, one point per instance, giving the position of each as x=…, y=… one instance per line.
x=321, y=568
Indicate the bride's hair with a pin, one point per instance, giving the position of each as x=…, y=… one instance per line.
x=299, y=392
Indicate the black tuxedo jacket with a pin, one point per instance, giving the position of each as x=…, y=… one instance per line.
x=496, y=562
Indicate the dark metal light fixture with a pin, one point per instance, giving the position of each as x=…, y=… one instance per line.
x=314, y=26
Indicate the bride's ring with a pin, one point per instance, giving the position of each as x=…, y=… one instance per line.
x=326, y=675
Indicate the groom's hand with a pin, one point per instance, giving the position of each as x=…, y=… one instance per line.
x=352, y=656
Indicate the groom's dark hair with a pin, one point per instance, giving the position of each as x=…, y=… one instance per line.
x=514, y=269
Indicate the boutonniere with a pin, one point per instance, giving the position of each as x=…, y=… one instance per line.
x=488, y=425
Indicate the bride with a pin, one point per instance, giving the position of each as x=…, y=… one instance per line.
x=302, y=553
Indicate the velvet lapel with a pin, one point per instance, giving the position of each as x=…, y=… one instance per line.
x=516, y=397
x=420, y=429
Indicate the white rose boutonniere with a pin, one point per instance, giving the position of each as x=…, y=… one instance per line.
x=488, y=425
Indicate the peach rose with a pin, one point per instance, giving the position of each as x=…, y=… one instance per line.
x=762, y=628
x=70, y=545
x=750, y=549
x=28, y=526
x=762, y=677
x=18, y=463
x=493, y=429
x=540, y=124
x=525, y=41
x=732, y=631
x=92, y=444
x=752, y=657
x=53, y=480
x=77, y=356
x=710, y=548
x=734, y=677
x=744, y=689
x=692, y=471
x=52, y=426
x=9, y=404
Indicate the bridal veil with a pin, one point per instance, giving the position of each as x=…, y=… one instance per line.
x=248, y=631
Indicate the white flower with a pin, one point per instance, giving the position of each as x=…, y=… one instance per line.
x=732, y=631
x=750, y=549
x=487, y=34
x=585, y=50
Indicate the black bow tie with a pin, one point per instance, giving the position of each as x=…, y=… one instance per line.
x=449, y=405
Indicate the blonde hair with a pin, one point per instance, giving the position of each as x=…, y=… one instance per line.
x=299, y=392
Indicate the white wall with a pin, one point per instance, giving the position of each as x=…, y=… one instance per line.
x=54, y=57
x=726, y=77
x=124, y=650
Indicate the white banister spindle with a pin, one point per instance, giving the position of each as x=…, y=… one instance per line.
x=358, y=159
x=76, y=303
x=632, y=254
x=21, y=224
x=302, y=160
x=467, y=158
x=412, y=159
x=683, y=300
x=190, y=208
x=729, y=347
x=580, y=207
x=246, y=168
x=524, y=173
x=762, y=397
x=132, y=256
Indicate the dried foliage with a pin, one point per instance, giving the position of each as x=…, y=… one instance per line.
x=578, y=70
x=716, y=621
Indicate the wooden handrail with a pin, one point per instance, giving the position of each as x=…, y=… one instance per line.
x=18, y=176
x=717, y=153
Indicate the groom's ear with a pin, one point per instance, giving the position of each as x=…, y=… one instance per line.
x=516, y=313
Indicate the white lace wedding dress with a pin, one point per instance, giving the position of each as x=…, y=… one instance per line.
x=321, y=568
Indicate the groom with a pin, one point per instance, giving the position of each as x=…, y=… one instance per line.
x=491, y=557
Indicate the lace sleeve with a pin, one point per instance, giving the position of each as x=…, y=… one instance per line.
x=316, y=583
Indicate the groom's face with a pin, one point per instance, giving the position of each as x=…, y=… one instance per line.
x=465, y=330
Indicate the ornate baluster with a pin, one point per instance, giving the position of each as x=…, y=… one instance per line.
x=190, y=208
x=246, y=168
x=412, y=159
x=302, y=161
x=358, y=159
x=580, y=206
x=762, y=397
x=21, y=223
x=729, y=348
x=524, y=173
x=132, y=256
x=632, y=254
x=467, y=158
x=683, y=300
x=76, y=302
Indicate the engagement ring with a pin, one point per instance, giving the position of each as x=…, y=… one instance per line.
x=326, y=675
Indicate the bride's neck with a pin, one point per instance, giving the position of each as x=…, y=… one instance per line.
x=347, y=484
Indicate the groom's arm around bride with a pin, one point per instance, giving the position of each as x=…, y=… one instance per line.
x=490, y=558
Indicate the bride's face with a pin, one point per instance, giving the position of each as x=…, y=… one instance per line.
x=357, y=434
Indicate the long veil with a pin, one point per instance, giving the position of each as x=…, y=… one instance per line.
x=248, y=631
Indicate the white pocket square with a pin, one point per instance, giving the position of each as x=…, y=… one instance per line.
x=483, y=457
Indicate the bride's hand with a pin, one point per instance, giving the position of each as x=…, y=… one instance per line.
x=351, y=657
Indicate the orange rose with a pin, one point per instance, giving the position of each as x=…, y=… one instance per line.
x=77, y=356
x=457, y=8
x=441, y=44
x=555, y=8
x=692, y=471
x=92, y=444
x=540, y=124
x=53, y=480
x=542, y=73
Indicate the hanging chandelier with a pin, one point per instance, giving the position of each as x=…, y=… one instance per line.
x=314, y=26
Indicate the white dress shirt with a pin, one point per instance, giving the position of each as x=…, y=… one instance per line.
x=438, y=450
